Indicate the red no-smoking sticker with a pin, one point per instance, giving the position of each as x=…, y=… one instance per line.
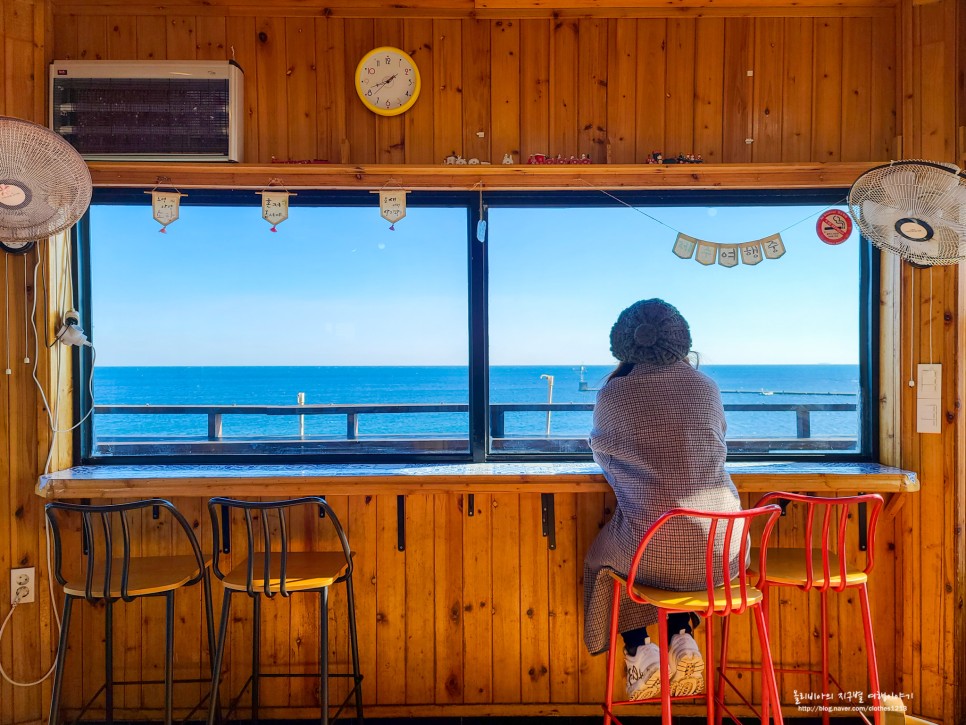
x=834, y=226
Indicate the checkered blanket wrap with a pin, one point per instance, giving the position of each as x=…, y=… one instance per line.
x=659, y=436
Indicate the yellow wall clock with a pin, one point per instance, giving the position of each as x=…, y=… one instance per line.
x=387, y=81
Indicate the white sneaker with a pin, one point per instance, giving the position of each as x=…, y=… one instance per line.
x=687, y=665
x=643, y=672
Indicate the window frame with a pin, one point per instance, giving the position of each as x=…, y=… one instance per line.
x=477, y=306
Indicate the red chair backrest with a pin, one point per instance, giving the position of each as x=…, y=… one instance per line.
x=825, y=511
x=717, y=564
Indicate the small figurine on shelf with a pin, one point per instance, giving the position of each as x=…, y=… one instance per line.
x=507, y=159
x=584, y=159
x=537, y=159
x=460, y=161
x=473, y=162
x=450, y=160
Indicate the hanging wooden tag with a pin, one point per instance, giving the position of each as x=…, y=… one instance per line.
x=684, y=246
x=773, y=246
x=392, y=206
x=275, y=207
x=165, y=206
x=751, y=253
x=707, y=251
x=728, y=255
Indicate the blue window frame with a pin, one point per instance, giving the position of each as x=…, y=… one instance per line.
x=428, y=343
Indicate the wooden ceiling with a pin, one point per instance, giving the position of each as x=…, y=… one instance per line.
x=487, y=8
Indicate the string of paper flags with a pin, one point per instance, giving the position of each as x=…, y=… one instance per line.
x=166, y=205
x=833, y=226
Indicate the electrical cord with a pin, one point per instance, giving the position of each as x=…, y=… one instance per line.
x=13, y=608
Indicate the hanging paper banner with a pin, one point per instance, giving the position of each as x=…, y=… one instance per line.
x=773, y=246
x=728, y=255
x=165, y=206
x=707, y=251
x=275, y=207
x=684, y=246
x=392, y=206
x=751, y=253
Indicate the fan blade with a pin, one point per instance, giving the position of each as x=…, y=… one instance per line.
x=899, y=186
x=880, y=215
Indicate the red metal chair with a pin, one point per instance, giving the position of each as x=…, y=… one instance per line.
x=733, y=596
x=818, y=567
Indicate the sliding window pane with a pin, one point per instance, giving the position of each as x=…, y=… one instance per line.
x=334, y=335
x=781, y=338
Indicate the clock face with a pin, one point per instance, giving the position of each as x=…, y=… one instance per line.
x=17, y=247
x=387, y=81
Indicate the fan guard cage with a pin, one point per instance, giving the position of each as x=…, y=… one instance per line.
x=45, y=185
x=916, y=209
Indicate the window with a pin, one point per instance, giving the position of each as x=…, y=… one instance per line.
x=338, y=339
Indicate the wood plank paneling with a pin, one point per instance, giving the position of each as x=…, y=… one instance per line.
x=708, y=88
x=827, y=90
x=301, y=81
x=651, y=97
x=563, y=89
x=592, y=93
x=767, y=114
x=447, y=89
x=679, y=110
x=505, y=90
x=621, y=84
x=738, y=90
x=797, y=90
x=832, y=89
x=534, y=89
x=856, y=88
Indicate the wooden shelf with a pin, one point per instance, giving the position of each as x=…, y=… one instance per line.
x=496, y=177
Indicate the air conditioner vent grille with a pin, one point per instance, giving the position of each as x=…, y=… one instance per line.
x=143, y=117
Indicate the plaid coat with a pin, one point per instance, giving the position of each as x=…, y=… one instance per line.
x=659, y=436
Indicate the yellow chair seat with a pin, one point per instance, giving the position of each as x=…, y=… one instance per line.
x=147, y=575
x=787, y=566
x=303, y=570
x=692, y=601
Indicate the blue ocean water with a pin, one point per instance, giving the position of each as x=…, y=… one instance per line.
x=155, y=386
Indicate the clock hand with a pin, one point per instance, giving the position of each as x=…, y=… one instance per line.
x=388, y=80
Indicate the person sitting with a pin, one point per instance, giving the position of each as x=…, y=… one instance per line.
x=659, y=436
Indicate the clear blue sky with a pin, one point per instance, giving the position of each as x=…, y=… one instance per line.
x=336, y=287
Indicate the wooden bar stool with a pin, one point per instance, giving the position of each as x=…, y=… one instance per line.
x=267, y=572
x=817, y=567
x=108, y=575
x=733, y=596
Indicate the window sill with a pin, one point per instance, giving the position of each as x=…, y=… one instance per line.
x=384, y=478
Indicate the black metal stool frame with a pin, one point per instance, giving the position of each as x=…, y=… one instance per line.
x=95, y=592
x=225, y=505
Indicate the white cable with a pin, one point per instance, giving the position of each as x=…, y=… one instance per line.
x=912, y=322
x=53, y=606
x=26, y=334
x=930, y=316
x=6, y=307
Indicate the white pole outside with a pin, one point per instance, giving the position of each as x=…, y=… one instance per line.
x=549, y=398
x=301, y=401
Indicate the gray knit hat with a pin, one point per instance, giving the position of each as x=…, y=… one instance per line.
x=652, y=332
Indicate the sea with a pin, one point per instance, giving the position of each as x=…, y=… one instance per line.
x=349, y=385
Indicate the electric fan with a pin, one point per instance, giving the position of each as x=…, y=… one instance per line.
x=916, y=209
x=45, y=186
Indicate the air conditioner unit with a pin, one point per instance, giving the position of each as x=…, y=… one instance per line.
x=149, y=110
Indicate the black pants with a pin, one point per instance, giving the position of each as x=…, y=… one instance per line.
x=676, y=621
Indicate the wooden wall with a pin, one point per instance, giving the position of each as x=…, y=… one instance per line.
x=733, y=89
x=477, y=611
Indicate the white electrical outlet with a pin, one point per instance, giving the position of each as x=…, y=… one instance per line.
x=22, y=585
